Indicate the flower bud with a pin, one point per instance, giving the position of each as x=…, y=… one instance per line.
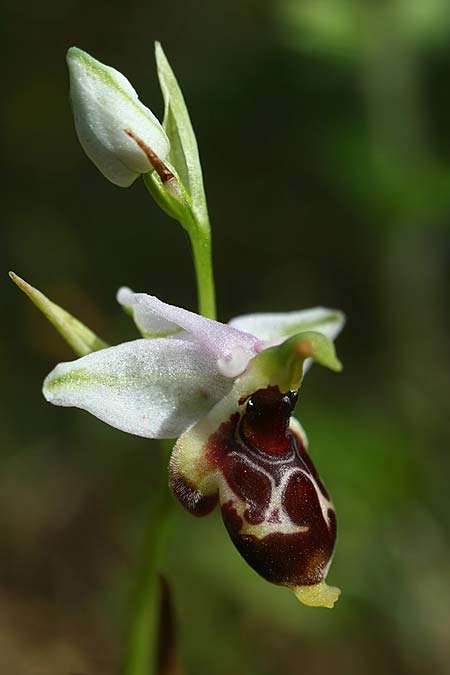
x=105, y=105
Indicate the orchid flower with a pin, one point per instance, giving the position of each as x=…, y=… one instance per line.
x=228, y=392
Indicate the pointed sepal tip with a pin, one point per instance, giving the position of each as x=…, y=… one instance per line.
x=76, y=334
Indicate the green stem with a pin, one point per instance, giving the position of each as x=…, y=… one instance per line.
x=199, y=232
x=201, y=249
x=143, y=636
x=141, y=657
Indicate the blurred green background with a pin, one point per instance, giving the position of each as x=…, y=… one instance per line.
x=325, y=141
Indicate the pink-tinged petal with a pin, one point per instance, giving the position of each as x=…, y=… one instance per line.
x=152, y=388
x=150, y=323
x=230, y=346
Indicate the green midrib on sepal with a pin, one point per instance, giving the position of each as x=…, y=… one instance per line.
x=83, y=376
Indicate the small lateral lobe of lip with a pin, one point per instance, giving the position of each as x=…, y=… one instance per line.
x=189, y=497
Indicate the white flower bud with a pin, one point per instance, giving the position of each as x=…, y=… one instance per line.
x=104, y=106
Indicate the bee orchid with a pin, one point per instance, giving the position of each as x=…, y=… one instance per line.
x=228, y=392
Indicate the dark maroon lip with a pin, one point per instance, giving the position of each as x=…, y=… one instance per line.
x=270, y=492
x=265, y=422
x=260, y=456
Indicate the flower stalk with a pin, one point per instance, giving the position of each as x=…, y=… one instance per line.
x=142, y=649
x=202, y=254
x=178, y=204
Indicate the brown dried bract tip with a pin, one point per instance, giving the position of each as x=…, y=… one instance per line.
x=304, y=349
x=161, y=169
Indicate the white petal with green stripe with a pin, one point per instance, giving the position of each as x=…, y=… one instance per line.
x=152, y=388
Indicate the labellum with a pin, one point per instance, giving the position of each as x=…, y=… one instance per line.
x=274, y=505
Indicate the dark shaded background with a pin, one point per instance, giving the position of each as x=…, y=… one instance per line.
x=325, y=141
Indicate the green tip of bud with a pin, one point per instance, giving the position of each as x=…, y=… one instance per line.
x=76, y=54
x=73, y=52
x=77, y=58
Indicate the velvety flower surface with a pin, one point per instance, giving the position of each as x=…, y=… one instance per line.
x=228, y=392
x=105, y=105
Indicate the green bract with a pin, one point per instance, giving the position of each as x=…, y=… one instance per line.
x=77, y=335
x=183, y=144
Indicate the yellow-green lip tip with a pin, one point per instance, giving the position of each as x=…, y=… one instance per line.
x=318, y=595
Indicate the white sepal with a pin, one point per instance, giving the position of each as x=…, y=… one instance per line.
x=154, y=317
x=152, y=388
